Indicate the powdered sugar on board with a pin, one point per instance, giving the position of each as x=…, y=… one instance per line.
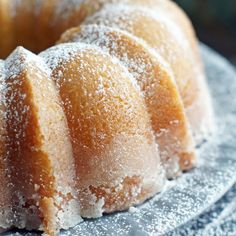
x=193, y=192
x=218, y=220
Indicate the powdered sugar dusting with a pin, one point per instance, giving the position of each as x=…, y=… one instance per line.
x=219, y=219
x=2, y=77
x=28, y=90
x=62, y=54
x=122, y=16
x=194, y=191
x=104, y=106
x=23, y=61
x=103, y=37
x=171, y=42
x=5, y=205
x=143, y=63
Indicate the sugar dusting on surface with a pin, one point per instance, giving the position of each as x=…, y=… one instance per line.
x=219, y=219
x=171, y=42
x=99, y=35
x=5, y=209
x=62, y=54
x=110, y=15
x=142, y=62
x=109, y=93
x=24, y=62
x=29, y=59
x=194, y=191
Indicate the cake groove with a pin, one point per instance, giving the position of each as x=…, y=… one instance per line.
x=99, y=122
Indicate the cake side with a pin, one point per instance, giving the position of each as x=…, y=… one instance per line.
x=156, y=81
x=117, y=159
x=39, y=152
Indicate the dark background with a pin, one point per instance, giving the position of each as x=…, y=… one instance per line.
x=215, y=23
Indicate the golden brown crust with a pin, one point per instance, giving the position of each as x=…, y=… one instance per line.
x=110, y=129
x=39, y=151
x=166, y=37
x=163, y=102
x=168, y=42
x=29, y=164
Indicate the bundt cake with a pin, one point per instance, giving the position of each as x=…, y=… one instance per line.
x=99, y=121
